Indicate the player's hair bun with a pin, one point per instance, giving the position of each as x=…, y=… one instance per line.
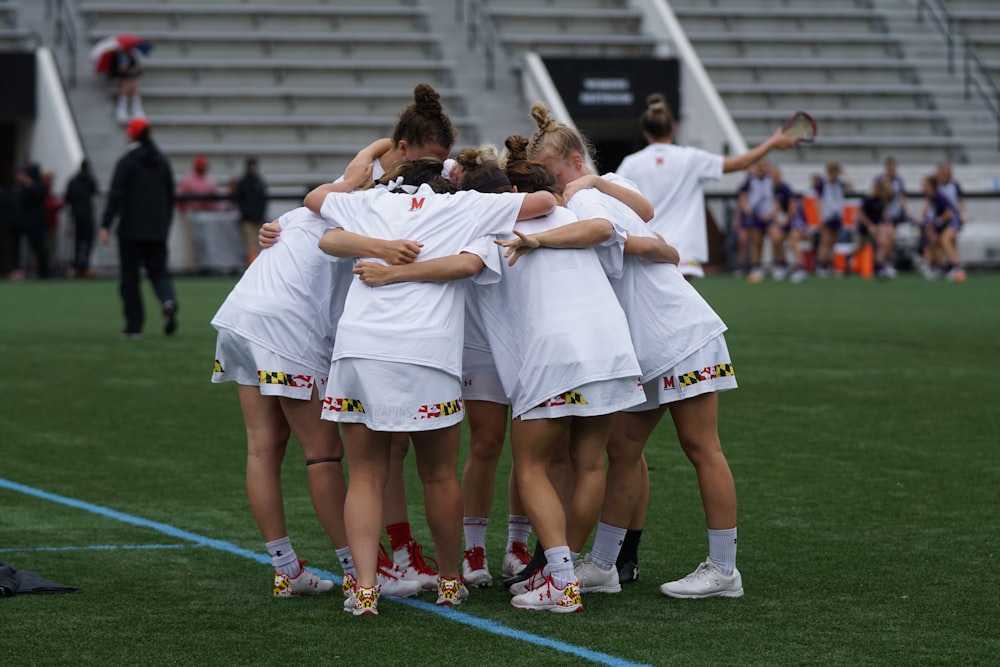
x=543, y=119
x=656, y=101
x=427, y=100
x=517, y=148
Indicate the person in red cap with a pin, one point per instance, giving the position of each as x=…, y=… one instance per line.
x=198, y=182
x=141, y=199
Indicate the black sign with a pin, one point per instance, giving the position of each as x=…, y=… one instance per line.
x=17, y=85
x=606, y=97
x=614, y=87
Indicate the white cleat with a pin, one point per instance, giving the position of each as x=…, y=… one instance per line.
x=705, y=582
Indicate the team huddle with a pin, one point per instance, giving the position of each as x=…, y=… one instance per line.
x=519, y=291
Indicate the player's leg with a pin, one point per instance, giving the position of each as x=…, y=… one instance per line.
x=267, y=436
x=437, y=460
x=532, y=444
x=516, y=556
x=628, y=557
x=696, y=421
x=407, y=553
x=588, y=449
x=597, y=571
x=756, y=242
x=487, y=430
x=368, y=452
x=776, y=234
x=324, y=453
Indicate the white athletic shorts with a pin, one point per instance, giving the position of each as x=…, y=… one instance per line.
x=589, y=400
x=244, y=362
x=708, y=369
x=392, y=396
x=480, y=380
x=690, y=267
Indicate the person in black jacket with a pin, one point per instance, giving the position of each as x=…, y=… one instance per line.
x=27, y=219
x=141, y=197
x=79, y=196
x=251, y=198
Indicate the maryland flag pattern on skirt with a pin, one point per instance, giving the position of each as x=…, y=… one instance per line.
x=218, y=367
x=439, y=409
x=565, y=398
x=343, y=405
x=286, y=379
x=707, y=373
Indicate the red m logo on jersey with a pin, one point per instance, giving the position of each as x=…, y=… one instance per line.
x=417, y=204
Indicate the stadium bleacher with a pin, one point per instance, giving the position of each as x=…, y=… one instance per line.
x=302, y=85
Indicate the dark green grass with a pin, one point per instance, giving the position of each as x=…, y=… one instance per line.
x=863, y=438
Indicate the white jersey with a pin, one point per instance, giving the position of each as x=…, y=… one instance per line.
x=290, y=298
x=416, y=322
x=667, y=318
x=553, y=322
x=670, y=178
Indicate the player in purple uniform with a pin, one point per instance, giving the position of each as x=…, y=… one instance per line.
x=832, y=193
x=941, y=218
x=876, y=226
x=788, y=219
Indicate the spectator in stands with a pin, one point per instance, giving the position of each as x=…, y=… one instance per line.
x=197, y=190
x=251, y=198
x=141, y=199
x=125, y=70
x=671, y=176
x=832, y=193
x=79, y=196
x=27, y=219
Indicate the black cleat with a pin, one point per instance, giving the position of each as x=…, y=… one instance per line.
x=628, y=572
x=169, y=317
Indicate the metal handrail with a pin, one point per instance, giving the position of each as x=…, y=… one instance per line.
x=65, y=26
x=945, y=24
x=479, y=29
x=988, y=90
x=974, y=73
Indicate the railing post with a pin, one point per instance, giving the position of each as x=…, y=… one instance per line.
x=490, y=66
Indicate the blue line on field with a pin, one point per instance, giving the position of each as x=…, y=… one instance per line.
x=98, y=547
x=228, y=547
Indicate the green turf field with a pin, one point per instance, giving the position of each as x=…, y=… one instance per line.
x=863, y=439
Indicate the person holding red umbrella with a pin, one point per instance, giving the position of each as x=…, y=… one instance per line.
x=120, y=57
x=126, y=68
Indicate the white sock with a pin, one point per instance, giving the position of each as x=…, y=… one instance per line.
x=122, y=105
x=607, y=546
x=560, y=565
x=347, y=561
x=475, y=531
x=137, y=106
x=722, y=550
x=283, y=557
x=518, y=529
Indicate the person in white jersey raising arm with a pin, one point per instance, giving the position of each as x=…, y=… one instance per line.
x=670, y=177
